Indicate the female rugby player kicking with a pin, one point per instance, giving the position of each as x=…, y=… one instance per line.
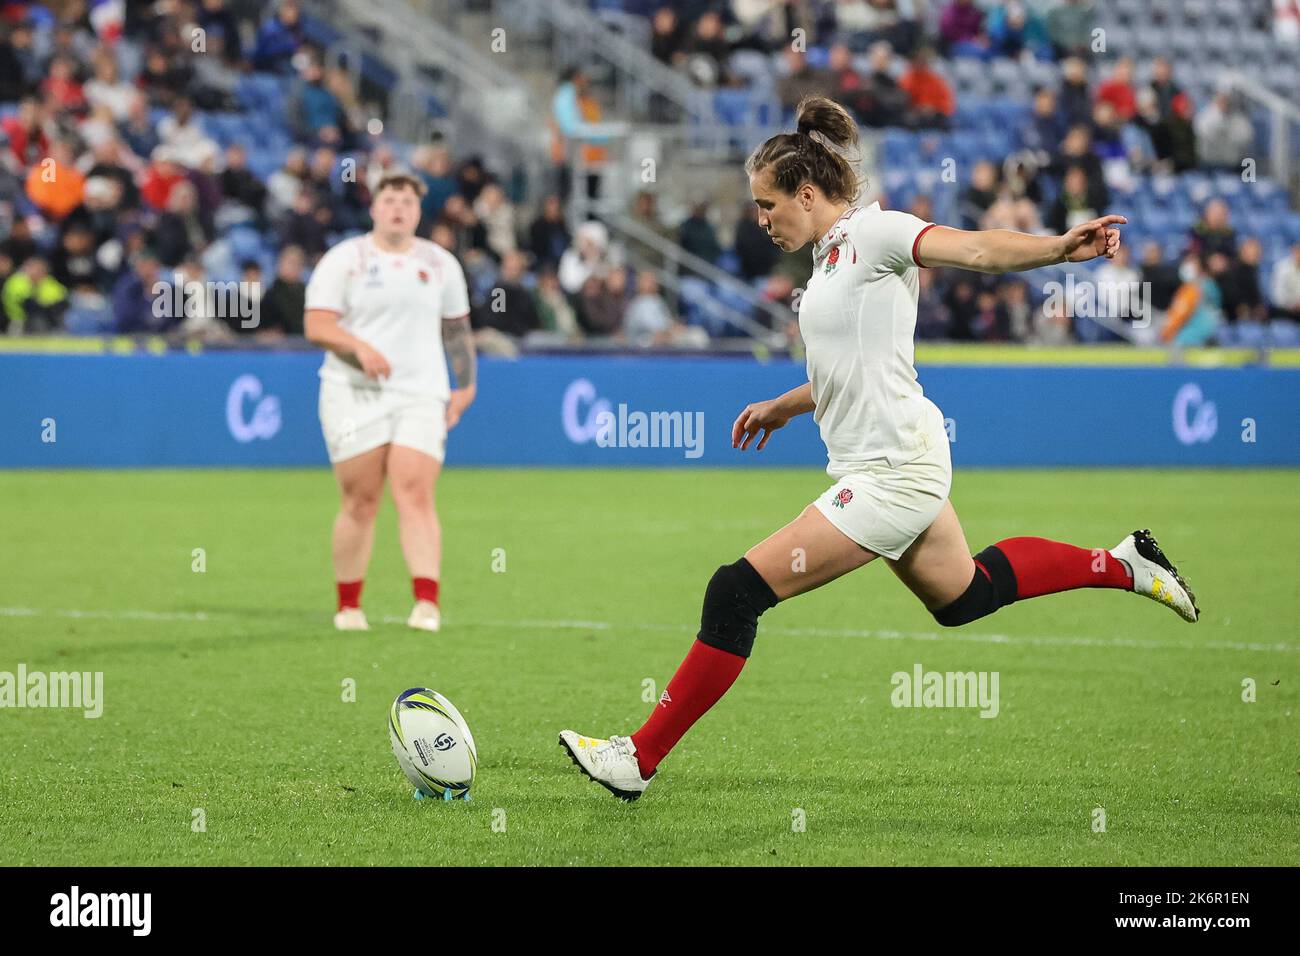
x=391, y=310
x=887, y=445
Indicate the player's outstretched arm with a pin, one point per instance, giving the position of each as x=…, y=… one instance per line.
x=768, y=416
x=1001, y=250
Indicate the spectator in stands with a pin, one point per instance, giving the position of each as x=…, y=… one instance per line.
x=645, y=212
x=74, y=265
x=979, y=195
x=697, y=236
x=1238, y=280
x=314, y=112
x=961, y=30
x=1074, y=203
x=1158, y=276
x=284, y=185
x=649, y=323
x=1013, y=296
x=307, y=225
x=587, y=257
x=1046, y=128
x=1181, y=135
x=61, y=87
x=1070, y=25
x=1117, y=282
x=160, y=178
x=1163, y=85
x=931, y=98
x=548, y=236
x=433, y=164
x=574, y=110
x=1285, y=288
x=667, y=37
x=509, y=308
x=282, y=305
x=757, y=254
x=1014, y=30
x=216, y=78
x=1117, y=90
x=1009, y=212
x=32, y=300
x=1286, y=21
x=602, y=303
x=800, y=79
x=1074, y=99
x=180, y=231
x=137, y=130
x=1076, y=150
x=959, y=301
x=108, y=89
x=27, y=131
x=707, y=51
x=164, y=77
x=240, y=188
x=19, y=245
x=877, y=21
x=1196, y=313
x=990, y=322
x=19, y=68
x=497, y=214
x=1108, y=139
x=1213, y=232
x=279, y=38
x=182, y=133
x=1052, y=323
x=554, y=310
x=135, y=293
x=55, y=186
x=932, y=317
x=221, y=25
x=1224, y=133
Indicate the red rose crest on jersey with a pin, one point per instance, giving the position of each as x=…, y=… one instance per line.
x=424, y=275
x=833, y=258
x=843, y=498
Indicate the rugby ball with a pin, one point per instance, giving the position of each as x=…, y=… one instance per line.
x=432, y=744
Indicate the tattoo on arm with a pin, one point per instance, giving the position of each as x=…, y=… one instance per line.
x=458, y=343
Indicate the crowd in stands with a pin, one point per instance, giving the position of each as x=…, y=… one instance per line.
x=114, y=187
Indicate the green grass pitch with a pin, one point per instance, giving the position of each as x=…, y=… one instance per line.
x=224, y=689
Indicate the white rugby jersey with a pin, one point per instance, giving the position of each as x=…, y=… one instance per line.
x=857, y=318
x=395, y=302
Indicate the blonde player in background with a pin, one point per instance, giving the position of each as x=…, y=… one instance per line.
x=391, y=310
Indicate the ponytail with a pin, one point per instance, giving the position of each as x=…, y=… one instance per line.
x=815, y=152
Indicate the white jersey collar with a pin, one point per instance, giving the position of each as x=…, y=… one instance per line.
x=835, y=233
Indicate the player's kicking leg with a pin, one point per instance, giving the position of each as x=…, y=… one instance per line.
x=735, y=598
x=361, y=486
x=958, y=588
x=412, y=475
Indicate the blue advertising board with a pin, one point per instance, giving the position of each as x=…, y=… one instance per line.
x=257, y=409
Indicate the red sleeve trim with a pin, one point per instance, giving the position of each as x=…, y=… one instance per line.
x=916, y=244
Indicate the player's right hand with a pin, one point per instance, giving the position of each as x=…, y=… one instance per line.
x=373, y=363
x=765, y=417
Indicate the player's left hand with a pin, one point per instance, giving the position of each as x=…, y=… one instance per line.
x=461, y=398
x=1088, y=240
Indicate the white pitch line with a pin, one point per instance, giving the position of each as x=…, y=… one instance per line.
x=867, y=634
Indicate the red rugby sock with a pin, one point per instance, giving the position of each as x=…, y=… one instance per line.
x=349, y=593
x=1046, y=567
x=426, y=589
x=701, y=680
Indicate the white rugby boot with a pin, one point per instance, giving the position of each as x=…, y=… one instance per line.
x=351, y=619
x=1154, y=576
x=425, y=616
x=611, y=763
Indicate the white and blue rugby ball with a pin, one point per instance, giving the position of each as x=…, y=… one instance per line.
x=432, y=744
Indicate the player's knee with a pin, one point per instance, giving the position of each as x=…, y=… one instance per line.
x=412, y=495
x=735, y=598
x=992, y=586
x=361, y=505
